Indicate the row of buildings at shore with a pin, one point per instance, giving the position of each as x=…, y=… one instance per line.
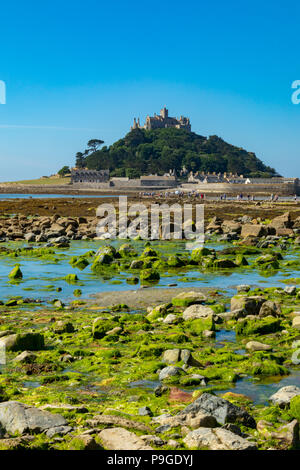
x=202, y=182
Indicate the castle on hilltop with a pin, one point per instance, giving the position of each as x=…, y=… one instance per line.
x=161, y=121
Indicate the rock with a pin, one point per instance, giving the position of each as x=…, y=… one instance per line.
x=243, y=288
x=145, y=411
x=217, y=439
x=26, y=357
x=63, y=327
x=170, y=319
x=170, y=371
x=173, y=443
x=59, y=430
x=197, y=311
x=16, y=443
x=171, y=356
x=251, y=304
x=257, y=346
x=121, y=439
x=290, y=290
x=288, y=434
x=284, y=395
x=222, y=410
x=16, y=417
x=270, y=308
x=296, y=357
x=296, y=322
x=208, y=334
x=253, y=230
x=112, y=420
x=184, y=299
x=163, y=428
x=16, y=273
x=30, y=237
x=151, y=439
x=23, y=342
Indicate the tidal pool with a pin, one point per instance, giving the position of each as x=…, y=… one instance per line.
x=41, y=277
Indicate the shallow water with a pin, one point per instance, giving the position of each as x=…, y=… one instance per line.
x=39, y=275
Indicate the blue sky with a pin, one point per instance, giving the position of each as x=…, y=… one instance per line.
x=83, y=69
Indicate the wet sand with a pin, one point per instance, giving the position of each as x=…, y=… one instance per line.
x=86, y=207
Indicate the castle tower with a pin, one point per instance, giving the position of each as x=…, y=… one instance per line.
x=164, y=113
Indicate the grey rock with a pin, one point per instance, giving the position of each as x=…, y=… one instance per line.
x=16, y=417
x=284, y=395
x=59, y=430
x=197, y=311
x=170, y=371
x=243, y=288
x=222, y=410
x=171, y=356
x=217, y=439
x=145, y=411
x=26, y=357
x=290, y=290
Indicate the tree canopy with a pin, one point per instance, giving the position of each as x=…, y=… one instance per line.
x=143, y=152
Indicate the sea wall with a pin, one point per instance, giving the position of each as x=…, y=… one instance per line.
x=283, y=189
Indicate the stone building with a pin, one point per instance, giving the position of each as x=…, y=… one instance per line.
x=89, y=176
x=162, y=120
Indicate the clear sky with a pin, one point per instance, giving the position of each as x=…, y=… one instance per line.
x=76, y=70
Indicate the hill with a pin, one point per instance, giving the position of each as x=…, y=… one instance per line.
x=143, y=152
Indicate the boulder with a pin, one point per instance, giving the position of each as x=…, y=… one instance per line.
x=197, y=311
x=257, y=346
x=216, y=439
x=170, y=371
x=253, y=230
x=221, y=409
x=270, y=308
x=23, y=342
x=171, y=356
x=284, y=395
x=26, y=357
x=121, y=439
x=16, y=417
x=251, y=305
x=184, y=299
x=296, y=322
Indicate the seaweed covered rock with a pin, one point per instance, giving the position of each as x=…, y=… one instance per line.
x=23, y=342
x=198, y=253
x=184, y=299
x=126, y=251
x=16, y=273
x=149, y=275
x=101, y=326
x=264, y=326
x=158, y=312
x=199, y=325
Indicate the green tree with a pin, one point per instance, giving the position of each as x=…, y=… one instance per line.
x=80, y=160
x=94, y=144
x=64, y=171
